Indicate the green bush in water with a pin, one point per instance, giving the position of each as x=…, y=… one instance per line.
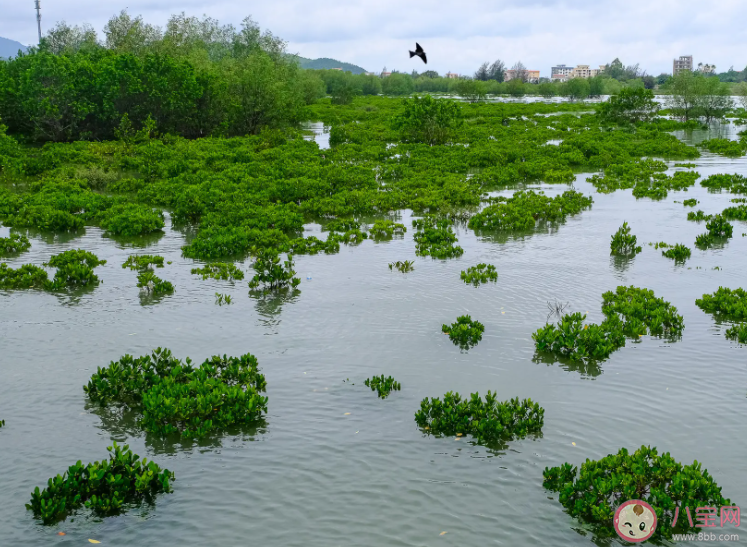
x=524, y=208
x=704, y=241
x=44, y=217
x=74, y=268
x=221, y=299
x=735, y=213
x=645, y=177
x=16, y=243
x=386, y=229
x=629, y=311
x=219, y=270
x=312, y=245
x=435, y=238
x=382, y=386
x=177, y=397
x=132, y=220
x=698, y=216
x=593, y=493
x=143, y=262
x=717, y=226
x=403, y=267
x=489, y=421
x=727, y=303
x=428, y=120
x=482, y=273
x=152, y=284
x=678, y=252
x=107, y=487
x=734, y=183
x=465, y=332
x=725, y=147
x=271, y=273
x=738, y=333
x=27, y=276
x=692, y=202
x=2, y=423
x=624, y=243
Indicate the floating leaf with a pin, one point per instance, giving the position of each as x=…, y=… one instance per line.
x=347, y=414
x=93, y=541
x=443, y=533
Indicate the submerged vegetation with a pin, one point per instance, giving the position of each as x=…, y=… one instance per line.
x=629, y=311
x=678, y=252
x=434, y=237
x=464, y=332
x=14, y=244
x=219, y=270
x=176, y=397
x=402, y=266
x=271, y=274
x=624, y=243
x=490, y=421
x=147, y=280
x=107, y=487
x=382, y=386
x=482, y=273
x=593, y=492
x=386, y=229
x=726, y=303
x=738, y=333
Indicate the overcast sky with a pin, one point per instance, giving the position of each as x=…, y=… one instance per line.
x=457, y=36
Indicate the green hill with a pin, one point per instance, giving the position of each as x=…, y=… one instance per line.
x=326, y=63
x=9, y=48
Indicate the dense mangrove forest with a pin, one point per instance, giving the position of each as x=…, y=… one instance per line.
x=210, y=258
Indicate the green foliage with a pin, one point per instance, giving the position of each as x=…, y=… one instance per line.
x=152, y=284
x=725, y=147
x=177, y=397
x=734, y=183
x=593, y=493
x=386, y=229
x=434, y=237
x=143, y=262
x=678, y=252
x=74, y=268
x=271, y=273
x=219, y=270
x=692, y=202
x=382, y=386
x=16, y=243
x=718, y=227
x=698, y=216
x=465, y=332
x=428, y=120
x=726, y=303
x=221, y=299
x=629, y=311
x=645, y=177
x=44, y=218
x=2, y=423
x=624, y=243
x=735, y=213
x=132, y=220
x=482, y=273
x=106, y=488
x=491, y=422
x=27, y=276
x=403, y=267
x=630, y=105
x=397, y=84
x=524, y=208
x=704, y=241
x=738, y=333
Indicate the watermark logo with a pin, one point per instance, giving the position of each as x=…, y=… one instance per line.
x=635, y=521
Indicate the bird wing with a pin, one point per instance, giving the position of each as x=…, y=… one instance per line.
x=423, y=57
x=418, y=49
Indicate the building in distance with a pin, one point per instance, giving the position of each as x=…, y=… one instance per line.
x=452, y=75
x=685, y=62
x=531, y=75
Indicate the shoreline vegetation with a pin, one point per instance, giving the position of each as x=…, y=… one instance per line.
x=202, y=122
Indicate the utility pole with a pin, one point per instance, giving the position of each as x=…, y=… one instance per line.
x=39, y=19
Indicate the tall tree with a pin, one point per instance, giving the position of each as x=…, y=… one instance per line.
x=497, y=71
x=63, y=38
x=482, y=73
x=520, y=72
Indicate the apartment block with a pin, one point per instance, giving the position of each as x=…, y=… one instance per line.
x=532, y=75
x=685, y=62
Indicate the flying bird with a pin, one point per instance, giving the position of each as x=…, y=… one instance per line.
x=419, y=52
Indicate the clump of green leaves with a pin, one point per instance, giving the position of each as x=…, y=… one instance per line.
x=593, y=493
x=645, y=176
x=27, y=276
x=428, y=120
x=489, y=421
x=629, y=311
x=524, y=208
x=221, y=299
x=465, y=332
x=735, y=213
x=725, y=182
x=624, y=243
x=2, y=423
x=177, y=397
x=312, y=245
x=143, y=262
x=678, y=252
x=219, y=270
x=434, y=237
x=74, y=268
x=386, y=229
x=271, y=273
x=698, y=216
x=738, y=333
x=727, y=303
x=382, y=386
x=482, y=273
x=131, y=219
x=147, y=280
x=719, y=227
x=402, y=266
x=725, y=147
x=16, y=243
x=692, y=202
x=704, y=241
x=106, y=487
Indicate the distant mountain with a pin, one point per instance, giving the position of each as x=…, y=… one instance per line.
x=326, y=63
x=9, y=48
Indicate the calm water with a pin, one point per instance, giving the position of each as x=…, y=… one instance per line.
x=313, y=475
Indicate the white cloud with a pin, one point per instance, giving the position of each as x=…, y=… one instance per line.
x=457, y=36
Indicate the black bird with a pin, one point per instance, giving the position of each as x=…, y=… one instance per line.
x=419, y=52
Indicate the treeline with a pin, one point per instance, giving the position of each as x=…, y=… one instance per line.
x=195, y=78
x=692, y=95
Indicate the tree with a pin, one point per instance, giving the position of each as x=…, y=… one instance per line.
x=577, y=88
x=482, y=73
x=520, y=72
x=649, y=82
x=684, y=95
x=429, y=74
x=515, y=87
x=741, y=92
x=629, y=106
x=497, y=71
x=713, y=98
x=546, y=90
x=63, y=38
x=428, y=120
x=370, y=85
x=472, y=90
x=123, y=33
x=663, y=78
x=596, y=86
x=397, y=84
